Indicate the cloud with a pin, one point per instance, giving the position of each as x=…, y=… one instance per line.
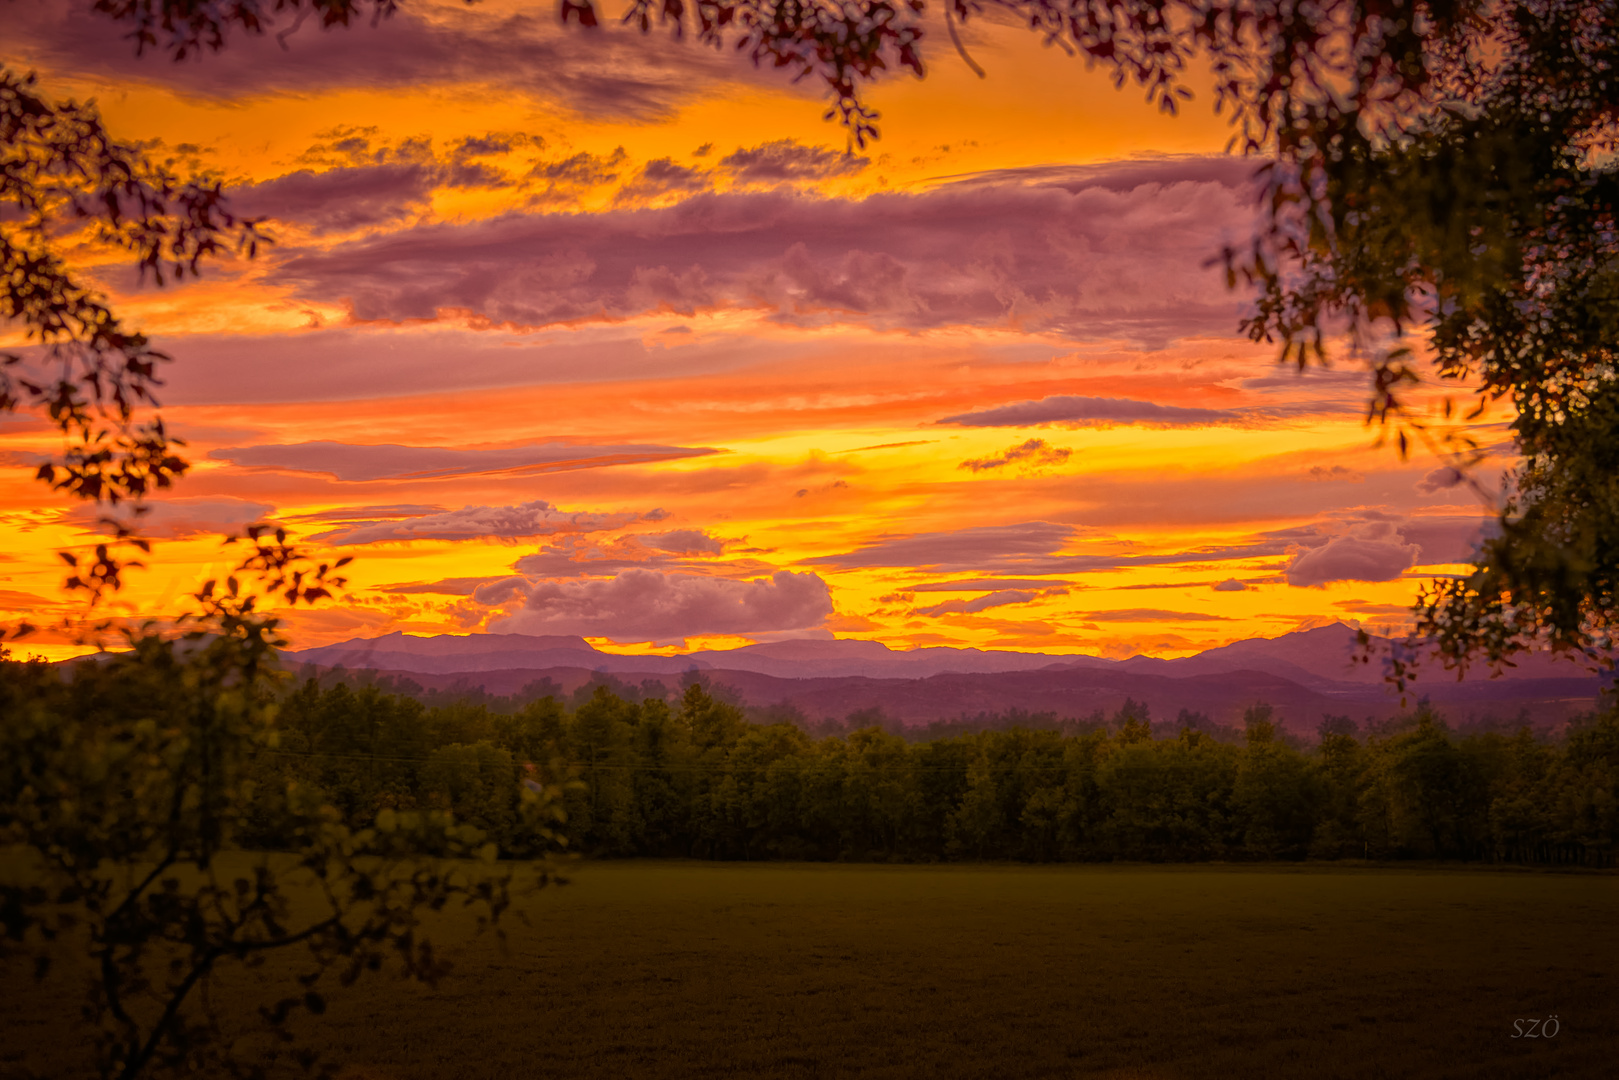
x=463, y=586
x=683, y=542
x=621, y=73
x=1152, y=615
x=1069, y=409
x=1087, y=263
x=582, y=556
x=981, y=584
x=1034, y=548
x=352, y=362
x=501, y=590
x=1449, y=539
x=13, y=600
x=371, y=513
x=354, y=182
x=339, y=200
x=1229, y=585
x=1034, y=454
x=787, y=160
x=537, y=518
x=179, y=518
x=1371, y=552
x=965, y=548
x=1336, y=472
x=650, y=605
x=388, y=461
x=1440, y=479
x=982, y=603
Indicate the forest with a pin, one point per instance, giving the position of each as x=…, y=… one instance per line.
x=688, y=773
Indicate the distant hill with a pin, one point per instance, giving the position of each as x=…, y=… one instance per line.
x=1303, y=675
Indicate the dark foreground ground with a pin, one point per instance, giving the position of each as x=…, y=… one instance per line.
x=704, y=970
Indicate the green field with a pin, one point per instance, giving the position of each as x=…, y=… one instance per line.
x=699, y=970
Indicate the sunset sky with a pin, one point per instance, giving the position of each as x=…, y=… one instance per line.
x=587, y=333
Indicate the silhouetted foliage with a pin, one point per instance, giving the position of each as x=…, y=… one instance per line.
x=693, y=776
x=64, y=178
x=129, y=788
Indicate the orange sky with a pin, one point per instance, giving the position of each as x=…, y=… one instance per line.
x=602, y=335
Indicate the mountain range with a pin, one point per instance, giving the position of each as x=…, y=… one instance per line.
x=1304, y=675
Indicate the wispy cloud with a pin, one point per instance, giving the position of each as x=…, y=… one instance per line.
x=388, y=461
x=537, y=518
x=1071, y=410
x=1034, y=454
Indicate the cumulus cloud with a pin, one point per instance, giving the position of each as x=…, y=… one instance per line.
x=982, y=603
x=1373, y=551
x=650, y=605
x=1229, y=585
x=1073, y=410
x=1440, y=479
x=1033, y=454
x=179, y=518
x=1092, y=261
x=388, y=461
x=537, y=518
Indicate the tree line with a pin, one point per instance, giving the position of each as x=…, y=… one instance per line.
x=691, y=775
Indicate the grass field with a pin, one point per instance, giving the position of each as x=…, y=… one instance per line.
x=700, y=970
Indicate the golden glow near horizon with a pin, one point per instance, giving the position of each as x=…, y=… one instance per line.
x=615, y=337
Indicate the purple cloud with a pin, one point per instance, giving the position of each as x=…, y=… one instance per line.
x=179, y=518
x=787, y=160
x=388, y=461
x=537, y=518
x=1068, y=409
x=967, y=548
x=981, y=584
x=1033, y=548
x=1033, y=454
x=578, y=556
x=616, y=73
x=649, y=605
x=1440, y=479
x=999, y=598
x=1374, y=551
x=1084, y=263
x=338, y=200
x=683, y=542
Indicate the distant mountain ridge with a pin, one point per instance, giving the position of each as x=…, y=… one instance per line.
x=1309, y=657
x=804, y=658
x=1305, y=675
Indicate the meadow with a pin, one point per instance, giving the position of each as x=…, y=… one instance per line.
x=684, y=969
